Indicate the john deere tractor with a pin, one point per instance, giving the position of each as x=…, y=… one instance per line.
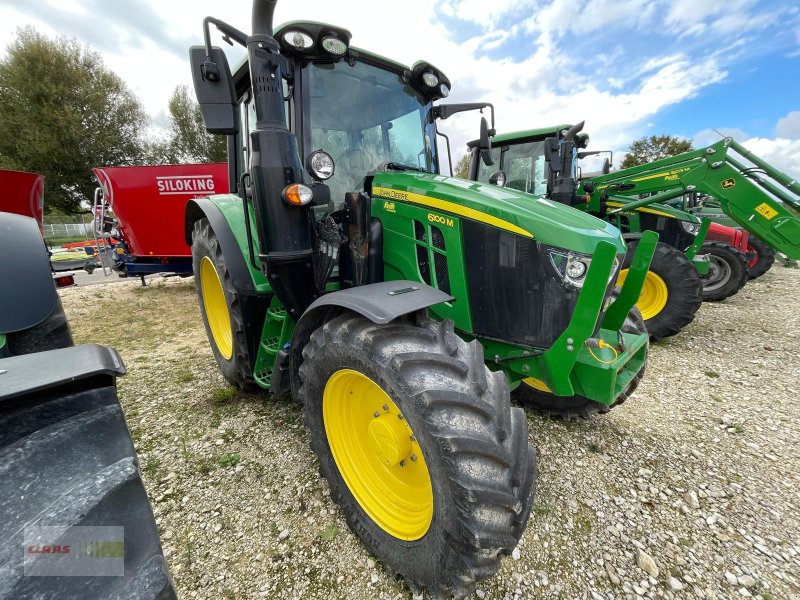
x=397, y=305
x=686, y=268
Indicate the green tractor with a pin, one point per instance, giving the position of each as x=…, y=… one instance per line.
x=397, y=305
x=686, y=268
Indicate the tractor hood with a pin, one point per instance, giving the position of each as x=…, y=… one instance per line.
x=547, y=222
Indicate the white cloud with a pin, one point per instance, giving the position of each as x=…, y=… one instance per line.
x=789, y=126
x=782, y=153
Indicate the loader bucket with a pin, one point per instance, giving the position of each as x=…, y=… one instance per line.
x=68, y=469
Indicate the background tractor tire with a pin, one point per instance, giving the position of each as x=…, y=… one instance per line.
x=765, y=256
x=220, y=307
x=534, y=395
x=728, y=273
x=672, y=292
x=50, y=334
x=469, y=446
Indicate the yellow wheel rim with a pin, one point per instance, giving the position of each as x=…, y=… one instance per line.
x=377, y=455
x=216, y=308
x=653, y=297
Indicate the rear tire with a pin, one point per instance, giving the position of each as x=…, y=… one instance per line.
x=470, y=445
x=575, y=407
x=674, y=276
x=765, y=256
x=50, y=334
x=220, y=307
x=728, y=273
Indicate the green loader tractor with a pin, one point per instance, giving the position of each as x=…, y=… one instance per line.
x=724, y=183
x=397, y=305
x=686, y=268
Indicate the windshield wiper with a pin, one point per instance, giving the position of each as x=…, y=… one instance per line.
x=401, y=167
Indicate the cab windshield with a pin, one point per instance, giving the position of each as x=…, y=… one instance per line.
x=363, y=115
x=524, y=166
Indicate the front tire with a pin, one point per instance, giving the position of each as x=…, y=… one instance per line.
x=220, y=307
x=672, y=291
x=376, y=395
x=535, y=394
x=728, y=273
x=762, y=261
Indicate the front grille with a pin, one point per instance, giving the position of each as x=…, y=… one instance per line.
x=513, y=295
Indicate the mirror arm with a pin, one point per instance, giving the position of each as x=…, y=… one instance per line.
x=449, y=154
x=229, y=33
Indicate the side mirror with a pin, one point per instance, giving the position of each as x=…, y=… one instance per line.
x=498, y=178
x=213, y=86
x=485, y=144
x=552, y=155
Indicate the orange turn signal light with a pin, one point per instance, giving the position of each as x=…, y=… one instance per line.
x=297, y=194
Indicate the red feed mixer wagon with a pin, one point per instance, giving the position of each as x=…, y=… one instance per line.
x=22, y=194
x=139, y=214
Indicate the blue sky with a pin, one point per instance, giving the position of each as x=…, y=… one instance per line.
x=628, y=67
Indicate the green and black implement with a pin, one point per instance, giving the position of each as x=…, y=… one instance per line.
x=66, y=455
x=399, y=306
x=686, y=268
x=727, y=184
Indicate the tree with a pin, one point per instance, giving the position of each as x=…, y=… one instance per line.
x=63, y=112
x=189, y=142
x=462, y=167
x=648, y=149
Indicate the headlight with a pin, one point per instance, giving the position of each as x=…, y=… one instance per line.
x=320, y=165
x=572, y=267
x=298, y=39
x=297, y=194
x=445, y=91
x=334, y=45
x=430, y=79
x=691, y=228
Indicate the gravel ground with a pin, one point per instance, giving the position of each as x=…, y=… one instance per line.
x=688, y=490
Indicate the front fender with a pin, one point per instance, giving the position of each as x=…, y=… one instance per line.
x=379, y=302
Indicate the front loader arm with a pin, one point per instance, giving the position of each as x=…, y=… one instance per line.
x=760, y=198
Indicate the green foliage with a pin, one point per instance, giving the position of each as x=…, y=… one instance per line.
x=63, y=112
x=330, y=532
x=228, y=460
x=648, y=149
x=188, y=141
x=461, y=169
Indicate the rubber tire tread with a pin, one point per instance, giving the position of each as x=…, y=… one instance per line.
x=577, y=406
x=50, y=334
x=236, y=370
x=766, y=257
x=740, y=270
x=684, y=287
x=475, y=445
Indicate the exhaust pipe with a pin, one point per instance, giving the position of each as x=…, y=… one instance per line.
x=263, y=13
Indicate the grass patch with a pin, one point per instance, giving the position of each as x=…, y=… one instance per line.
x=223, y=395
x=184, y=377
x=204, y=466
x=151, y=467
x=712, y=374
x=593, y=448
x=228, y=460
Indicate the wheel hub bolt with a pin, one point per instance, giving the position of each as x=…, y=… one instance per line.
x=402, y=463
x=386, y=407
x=413, y=457
x=413, y=439
x=376, y=414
